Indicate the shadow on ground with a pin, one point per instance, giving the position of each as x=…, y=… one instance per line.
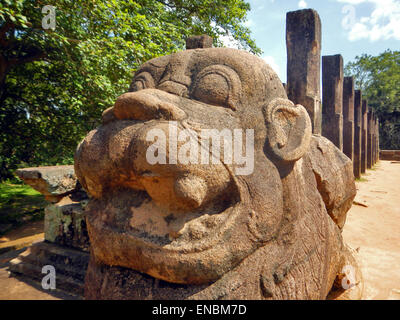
x=21, y=288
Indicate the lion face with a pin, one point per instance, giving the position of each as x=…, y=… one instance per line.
x=163, y=203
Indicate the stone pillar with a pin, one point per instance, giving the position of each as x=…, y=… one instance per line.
x=371, y=124
x=373, y=139
x=348, y=117
x=376, y=139
x=196, y=42
x=332, y=99
x=64, y=221
x=364, y=124
x=357, y=133
x=303, y=41
x=369, y=139
x=379, y=139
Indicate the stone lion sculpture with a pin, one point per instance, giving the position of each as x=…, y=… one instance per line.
x=187, y=230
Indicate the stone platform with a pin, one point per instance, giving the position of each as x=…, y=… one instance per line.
x=66, y=241
x=390, y=155
x=70, y=265
x=54, y=182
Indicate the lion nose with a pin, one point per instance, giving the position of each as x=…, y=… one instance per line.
x=146, y=105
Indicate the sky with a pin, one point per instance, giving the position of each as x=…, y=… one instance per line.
x=349, y=27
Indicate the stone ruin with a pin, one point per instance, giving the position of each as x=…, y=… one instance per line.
x=183, y=230
x=66, y=245
x=193, y=231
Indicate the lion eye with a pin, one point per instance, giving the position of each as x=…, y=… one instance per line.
x=217, y=85
x=138, y=85
x=142, y=81
x=212, y=89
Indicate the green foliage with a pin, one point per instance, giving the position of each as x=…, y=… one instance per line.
x=379, y=79
x=20, y=203
x=55, y=84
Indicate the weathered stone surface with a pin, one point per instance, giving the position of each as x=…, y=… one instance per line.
x=376, y=139
x=376, y=133
x=205, y=231
x=357, y=133
x=364, y=136
x=334, y=174
x=303, y=41
x=65, y=223
x=70, y=265
x=65, y=231
x=53, y=181
x=348, y=117
x=369, y=139
x=64, y=218
x=332, y=99
x=389, y=155
x=196, y=42
x=373, y=129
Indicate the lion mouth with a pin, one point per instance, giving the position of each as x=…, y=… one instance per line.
x=131, y=231
x=135, y=215
x=161, y=204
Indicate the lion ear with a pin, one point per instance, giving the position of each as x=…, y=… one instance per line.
x=289, y=130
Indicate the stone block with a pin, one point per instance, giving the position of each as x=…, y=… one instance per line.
x=332, y=99
x=53, y=182
x=303, y=42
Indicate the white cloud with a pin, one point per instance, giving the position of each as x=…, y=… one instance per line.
x=271, y=61
x=229, y=42
x=249, y=23
x=302, y=4
x=353, y=1
x=382, y=24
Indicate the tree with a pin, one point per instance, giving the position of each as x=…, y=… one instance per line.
x=54, y=84
x=379, y=79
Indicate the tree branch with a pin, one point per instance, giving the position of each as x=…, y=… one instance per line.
x=29, y=58
x=6, y=27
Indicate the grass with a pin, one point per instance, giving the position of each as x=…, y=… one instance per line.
x=19, y=203
x=361, y=179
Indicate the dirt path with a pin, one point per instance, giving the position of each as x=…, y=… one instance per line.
x=22, y=236
x=376, y=231
x=29, y=229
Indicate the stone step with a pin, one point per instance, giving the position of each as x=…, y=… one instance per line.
x=70, y=266
x=67, y=261
x=34, y=272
